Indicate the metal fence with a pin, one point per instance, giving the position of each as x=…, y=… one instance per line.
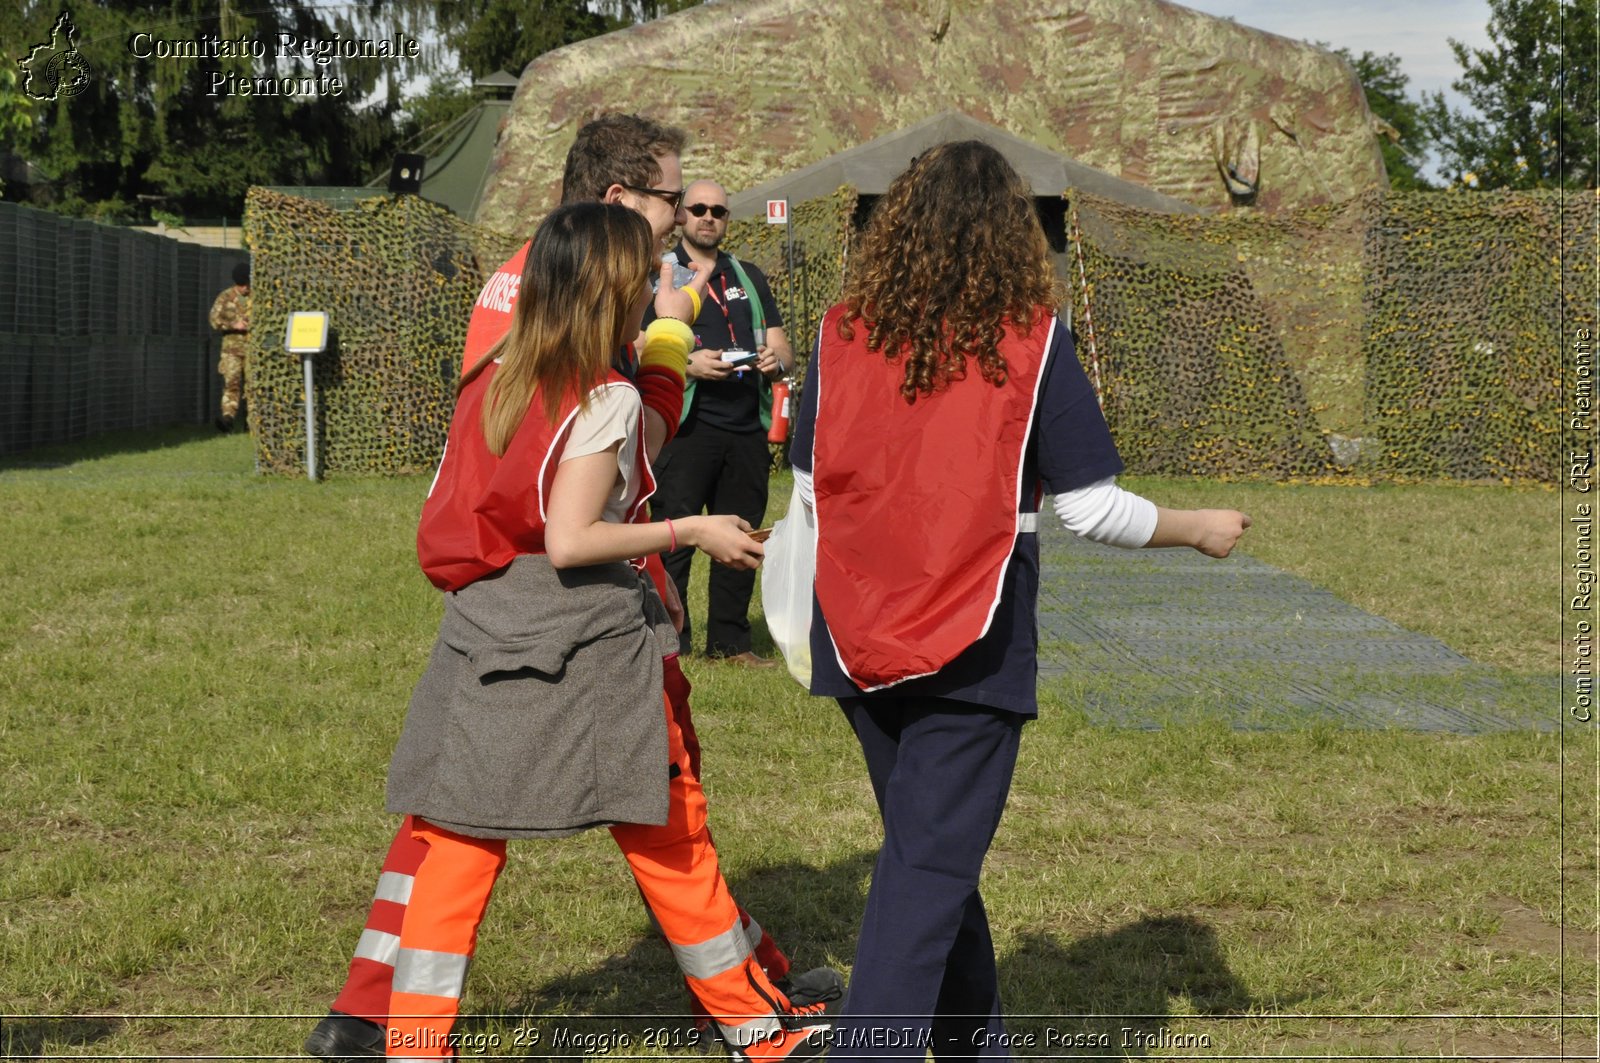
x=102, y=328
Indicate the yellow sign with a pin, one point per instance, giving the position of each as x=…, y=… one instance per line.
x=307, y=332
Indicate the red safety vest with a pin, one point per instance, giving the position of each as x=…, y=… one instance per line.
x=917, y=503
x=491, y=319
x=483, y=510
x=491, y=314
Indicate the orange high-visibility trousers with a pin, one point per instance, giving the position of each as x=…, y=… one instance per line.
x=441, y=903
x=771, y=958
x=438, y=937
x=370, y=978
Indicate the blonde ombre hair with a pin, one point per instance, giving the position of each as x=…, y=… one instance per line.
x=574, y=310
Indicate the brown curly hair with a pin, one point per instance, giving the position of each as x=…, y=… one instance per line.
x=624, y=149
x=952, y=255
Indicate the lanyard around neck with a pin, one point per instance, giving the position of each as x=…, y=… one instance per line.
x=722, y=304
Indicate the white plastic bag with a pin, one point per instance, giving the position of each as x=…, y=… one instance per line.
x=787, y=576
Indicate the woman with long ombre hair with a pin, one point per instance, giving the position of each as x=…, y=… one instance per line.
x=564, y=341
x=541, y=711
x=551, y=376
x=942, y=401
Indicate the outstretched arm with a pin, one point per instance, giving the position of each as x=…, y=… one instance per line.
x=1106, y=513
x=1213, y=532
x=576, y=534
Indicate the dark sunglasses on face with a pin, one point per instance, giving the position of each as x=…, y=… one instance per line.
x=699, y=210
x=674, y=199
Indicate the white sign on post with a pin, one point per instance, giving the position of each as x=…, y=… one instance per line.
x=777, y=212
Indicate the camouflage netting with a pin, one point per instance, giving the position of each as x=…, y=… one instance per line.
x=1463, y=341
x=821, y=242
x=398, y=277
x=1193, y=362
x=821, y=238
x=1412, y=335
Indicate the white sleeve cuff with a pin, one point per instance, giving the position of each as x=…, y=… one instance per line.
x=802, y=480
x=1105, y=513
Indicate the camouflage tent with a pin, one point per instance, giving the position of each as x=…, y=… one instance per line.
x=867, y=170
x=1189, y=105
x=458, y=155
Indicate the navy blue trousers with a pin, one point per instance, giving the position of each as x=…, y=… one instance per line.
x=924, y=971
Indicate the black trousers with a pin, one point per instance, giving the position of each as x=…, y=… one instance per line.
x=710, y=470
x=924, y=974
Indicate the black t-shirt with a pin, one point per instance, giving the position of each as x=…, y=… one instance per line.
x=726, y=322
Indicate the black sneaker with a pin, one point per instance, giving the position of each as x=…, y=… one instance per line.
x=802, y=1032
x=224, y=424
x=820, y=985
x=341, y=1036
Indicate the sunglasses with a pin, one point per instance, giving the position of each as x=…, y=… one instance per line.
x=700, y=210
x=674, y=199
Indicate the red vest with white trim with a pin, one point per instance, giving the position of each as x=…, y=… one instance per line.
x=917, y=503
x=491, y=319
x=484, y=510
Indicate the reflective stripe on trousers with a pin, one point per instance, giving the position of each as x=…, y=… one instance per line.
x=449, y=895
x=676, y=868
x=370, y=980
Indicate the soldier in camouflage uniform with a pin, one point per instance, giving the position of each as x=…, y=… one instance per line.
x=230, y=315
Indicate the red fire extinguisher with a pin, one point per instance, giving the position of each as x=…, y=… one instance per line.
x=780, y=411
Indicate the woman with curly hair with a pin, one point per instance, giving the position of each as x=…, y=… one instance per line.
x=943, y=400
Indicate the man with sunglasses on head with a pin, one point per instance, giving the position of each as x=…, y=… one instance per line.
x=718, y=462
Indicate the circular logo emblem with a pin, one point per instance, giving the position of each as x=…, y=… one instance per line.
x=67, y=74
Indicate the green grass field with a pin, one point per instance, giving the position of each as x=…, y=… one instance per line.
x=202, y=674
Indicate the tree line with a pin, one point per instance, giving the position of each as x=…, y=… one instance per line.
x=146, y=137
x=1531, y=115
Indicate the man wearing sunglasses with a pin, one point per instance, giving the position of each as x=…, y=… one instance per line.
x=718, y=462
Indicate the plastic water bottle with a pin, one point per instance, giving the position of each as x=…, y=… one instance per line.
x=681, y=274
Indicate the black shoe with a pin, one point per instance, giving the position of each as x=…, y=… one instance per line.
x=341, y=1036
x=224, y=424
x=820, y=985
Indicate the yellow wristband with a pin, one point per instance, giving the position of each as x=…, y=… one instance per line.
x=694, y=297
x=667, y=343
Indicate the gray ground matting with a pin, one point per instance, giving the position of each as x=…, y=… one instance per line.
x=1141, y=637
